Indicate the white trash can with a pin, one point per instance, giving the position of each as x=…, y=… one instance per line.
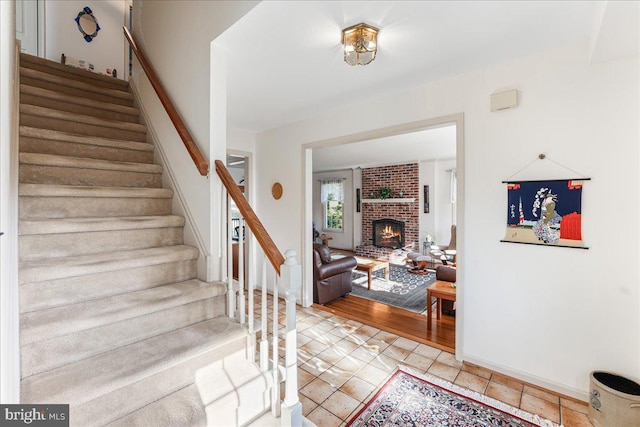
x=615, y=401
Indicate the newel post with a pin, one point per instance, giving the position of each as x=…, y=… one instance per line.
x=291, y=280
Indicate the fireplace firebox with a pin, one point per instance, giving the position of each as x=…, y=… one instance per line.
x=388, y=233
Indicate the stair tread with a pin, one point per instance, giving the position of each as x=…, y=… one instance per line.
x=182, y=408
x=26, y=60
x=90, y=378
x=36, y=110
x=66, y=81
x=60, y=96
x=85, y=163
x=56, y=268
x=53, y=190
x=55, y=322
x=88, y=224
x=56, y=135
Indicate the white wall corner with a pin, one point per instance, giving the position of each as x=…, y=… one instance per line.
x=9, y=288
x=217, y=151
x=615, y=32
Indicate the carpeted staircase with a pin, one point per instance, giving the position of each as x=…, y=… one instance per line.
x=113, y=319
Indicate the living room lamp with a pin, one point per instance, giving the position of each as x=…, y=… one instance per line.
x=360, y=44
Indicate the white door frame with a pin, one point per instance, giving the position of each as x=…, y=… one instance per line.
x=307, y=206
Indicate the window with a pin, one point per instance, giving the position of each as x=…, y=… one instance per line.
x=332, y=198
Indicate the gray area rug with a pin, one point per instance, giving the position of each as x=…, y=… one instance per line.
x=404, y=290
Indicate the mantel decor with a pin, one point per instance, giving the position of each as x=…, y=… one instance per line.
x=393, y=200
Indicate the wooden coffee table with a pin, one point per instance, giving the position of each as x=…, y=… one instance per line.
x=370, y=265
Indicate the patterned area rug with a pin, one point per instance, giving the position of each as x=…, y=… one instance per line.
x=404, y=290
x=410, y=399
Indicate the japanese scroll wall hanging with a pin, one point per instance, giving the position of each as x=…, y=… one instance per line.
x=545, y=213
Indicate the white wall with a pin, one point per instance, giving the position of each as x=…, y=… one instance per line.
x=357, y=216
x=550, y=325
x=9, y=301
x=107, y=49
x=340, y=239
x=427, y=224
x=195, y=80
x=444, y=212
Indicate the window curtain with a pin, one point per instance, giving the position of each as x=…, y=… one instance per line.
x=332, y=189
x=453, y=185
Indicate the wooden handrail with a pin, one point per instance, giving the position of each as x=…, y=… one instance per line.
x=197, y=157
x=264, y=239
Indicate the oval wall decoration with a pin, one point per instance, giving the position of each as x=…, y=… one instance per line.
x=276, y=190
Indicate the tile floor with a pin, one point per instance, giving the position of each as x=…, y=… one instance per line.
x=342, y=363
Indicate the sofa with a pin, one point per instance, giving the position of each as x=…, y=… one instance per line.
x=331, y=279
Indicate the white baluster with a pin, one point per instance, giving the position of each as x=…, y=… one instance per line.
x=251, y=338
x=275, y=392
x=242, y=302
x=264, y=342
x=291, y=276
x=223, y=232
x=231, y=293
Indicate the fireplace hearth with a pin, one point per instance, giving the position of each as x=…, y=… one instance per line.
x=388, y=233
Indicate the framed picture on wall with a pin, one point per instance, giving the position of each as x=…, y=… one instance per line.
x=357, y=200
x=426, y=198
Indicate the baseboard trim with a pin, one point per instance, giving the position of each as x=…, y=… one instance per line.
x=534, y=380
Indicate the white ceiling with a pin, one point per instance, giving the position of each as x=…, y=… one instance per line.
x=431, y=144
x=285, y=60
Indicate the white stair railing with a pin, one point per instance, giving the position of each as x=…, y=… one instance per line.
x=288, y=280
x=291, y=279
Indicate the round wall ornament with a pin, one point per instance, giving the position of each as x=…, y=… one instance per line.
x=276, y=190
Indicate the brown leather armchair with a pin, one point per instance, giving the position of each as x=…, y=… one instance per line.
x=331, y=279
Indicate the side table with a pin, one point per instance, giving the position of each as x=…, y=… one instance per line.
x=439, y=290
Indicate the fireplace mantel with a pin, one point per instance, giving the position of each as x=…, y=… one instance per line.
x=403, y=200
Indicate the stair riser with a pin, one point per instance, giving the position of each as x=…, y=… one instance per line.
x=48, y=324
x=40, y=174
x=78, y=207
x=39, y=246
x=80, y=128
x=87, y=151
x=75, y=91
x=116, y=84
x=111, y=406
x=43, y=356
x=72, y=290
x=76, y=108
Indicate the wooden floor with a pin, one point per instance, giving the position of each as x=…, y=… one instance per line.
x=401, y=322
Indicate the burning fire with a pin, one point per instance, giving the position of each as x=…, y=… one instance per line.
x=389, y=233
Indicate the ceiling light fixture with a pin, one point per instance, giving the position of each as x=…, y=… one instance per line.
x=360, y=44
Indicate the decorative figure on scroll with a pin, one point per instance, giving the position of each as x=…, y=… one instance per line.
x=549, y=217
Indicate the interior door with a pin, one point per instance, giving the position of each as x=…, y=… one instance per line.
x=27, y=25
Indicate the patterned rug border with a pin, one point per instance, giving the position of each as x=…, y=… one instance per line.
x=461, y=391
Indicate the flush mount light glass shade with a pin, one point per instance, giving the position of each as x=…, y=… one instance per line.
x=360, y=44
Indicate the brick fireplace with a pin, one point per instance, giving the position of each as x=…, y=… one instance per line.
x=399, y=178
